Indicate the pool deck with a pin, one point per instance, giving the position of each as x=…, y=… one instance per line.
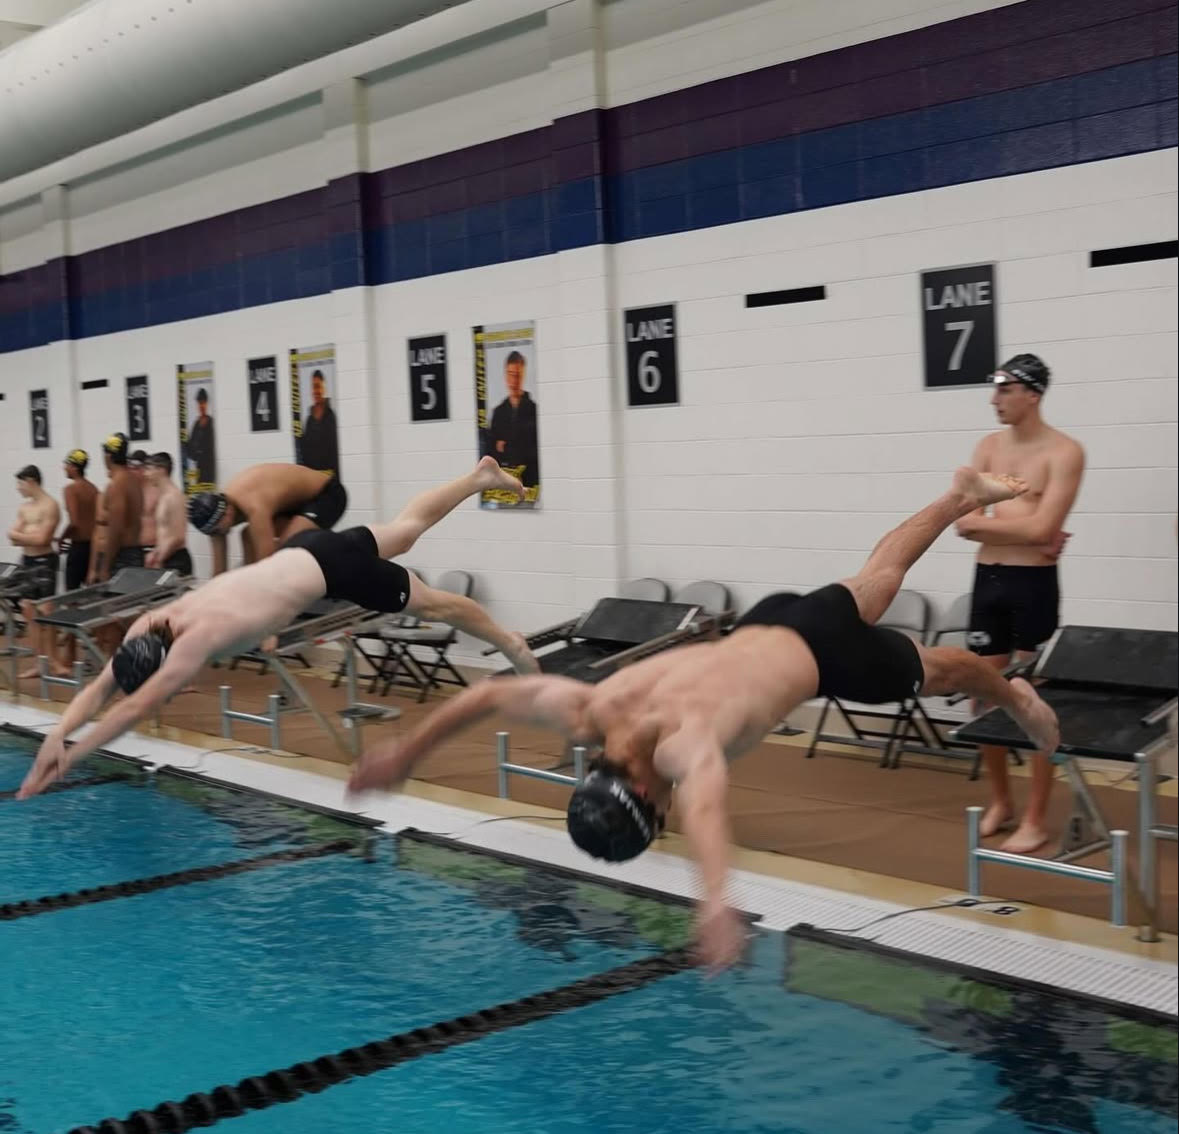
x=1031, y=942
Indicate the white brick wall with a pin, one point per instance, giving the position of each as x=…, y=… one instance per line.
x=815, y=412
x=802, y=432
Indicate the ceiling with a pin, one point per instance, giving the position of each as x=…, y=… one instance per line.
x=21, y=18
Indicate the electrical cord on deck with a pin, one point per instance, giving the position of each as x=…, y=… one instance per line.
x=961, y=903
x=495, y=819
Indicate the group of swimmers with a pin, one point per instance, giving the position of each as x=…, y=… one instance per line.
x=675, y=719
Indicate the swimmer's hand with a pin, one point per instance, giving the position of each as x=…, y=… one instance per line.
x=269, y=645
x=51, y=765
x=387, y=765
x=720, y=936
x=152, y=559
x=1055, y=546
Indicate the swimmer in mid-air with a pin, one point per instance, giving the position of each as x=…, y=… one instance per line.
x=678, y=718
x=164, y=650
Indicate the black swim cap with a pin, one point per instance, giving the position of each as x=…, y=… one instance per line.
x=1027, y=369
x=206, y=510
x=138, y=658
x=607, y=818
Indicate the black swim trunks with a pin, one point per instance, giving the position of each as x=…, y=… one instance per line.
x=39, y=576
x=324, y=510
x=179, y=561
x=353, y=571
x=127, y=557
x=1013, y=608
x=77, y=564
x=856, y=662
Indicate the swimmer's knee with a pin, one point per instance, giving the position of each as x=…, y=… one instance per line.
x=424, y=601
x=946, y=669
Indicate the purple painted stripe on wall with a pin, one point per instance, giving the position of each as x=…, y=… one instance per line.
x=287, y=222
x=995, y=30
x=786, y=99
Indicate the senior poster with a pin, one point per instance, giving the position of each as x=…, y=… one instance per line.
x=198, y=437
x=506, y=381
x=313, y=414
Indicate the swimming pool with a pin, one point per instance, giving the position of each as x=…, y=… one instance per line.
x=275, y=935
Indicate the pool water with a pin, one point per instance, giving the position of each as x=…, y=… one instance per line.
x=114, y=1006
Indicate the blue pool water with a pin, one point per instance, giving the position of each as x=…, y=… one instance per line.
x=119, y=1005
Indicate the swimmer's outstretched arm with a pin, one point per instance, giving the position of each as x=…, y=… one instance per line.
x=558, y=703
x=696, y=764
x=183, y=662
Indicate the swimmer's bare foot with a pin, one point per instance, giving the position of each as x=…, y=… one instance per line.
x=27, y=674
x=521, y=657
x=1027, y=839
x=986, y=488
x=489, y=475
x=1035, y=717
x=997, y=818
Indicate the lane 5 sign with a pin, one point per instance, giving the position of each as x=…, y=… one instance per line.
x=428, y=395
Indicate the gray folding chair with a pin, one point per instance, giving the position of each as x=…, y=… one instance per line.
x=709, y=596
x=954, y=624
x=363, y=644
x=401, y=666
x=929, y=735
x=649, y=590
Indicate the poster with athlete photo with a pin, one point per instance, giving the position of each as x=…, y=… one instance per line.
x=313, y=413
x=506, y=382
x=198, y=434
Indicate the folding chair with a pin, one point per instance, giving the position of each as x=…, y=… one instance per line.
x=712, y=597
x=925, y=734
x=910, y=614
x=424, y=674
x=375, y=660
x=647, y=590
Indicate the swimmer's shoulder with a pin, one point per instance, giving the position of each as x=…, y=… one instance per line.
x=1066, y=446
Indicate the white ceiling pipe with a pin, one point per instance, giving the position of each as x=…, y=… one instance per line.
x=114, y=66
x=472, y=18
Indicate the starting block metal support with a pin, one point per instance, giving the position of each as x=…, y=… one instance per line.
x=76, y=679
x=270, y=718
x=1150, y=831
x=1115, y=877
x=294, y=699
x=1086, y=831
x=505, y=768
x=358, y=713
x=12, y=651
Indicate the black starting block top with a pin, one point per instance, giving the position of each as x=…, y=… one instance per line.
x=611, y=627
x=1102, y=683
x=1102, y=656
x=630, y=622
x=115, y=598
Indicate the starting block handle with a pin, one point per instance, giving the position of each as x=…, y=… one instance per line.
x=1161, y=713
